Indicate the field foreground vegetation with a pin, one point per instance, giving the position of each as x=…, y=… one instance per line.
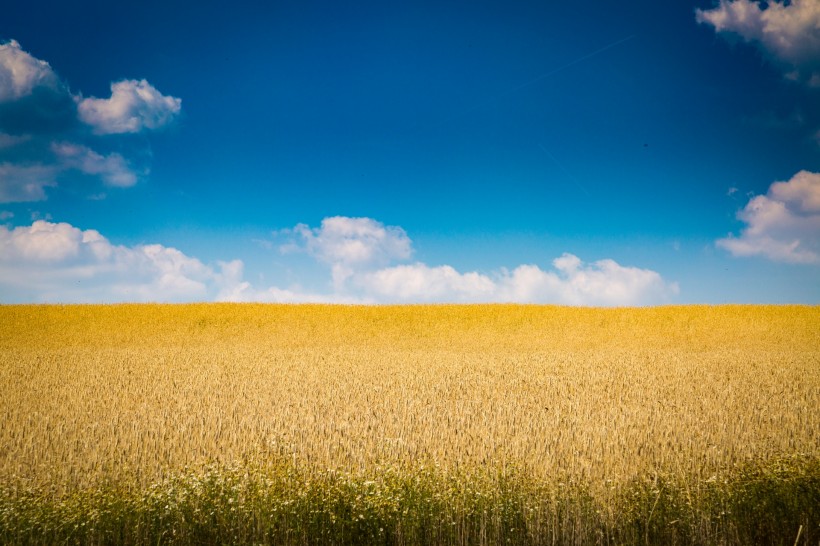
x=489, y=424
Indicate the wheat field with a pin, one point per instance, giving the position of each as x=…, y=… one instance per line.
x=409, y=424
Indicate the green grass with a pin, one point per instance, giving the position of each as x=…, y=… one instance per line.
x=759, y=503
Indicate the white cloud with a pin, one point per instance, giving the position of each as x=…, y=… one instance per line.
x=25, y=182
x=801, y=193
x=59, y=262
x=604, y=282
x=43, y=142
x=20, y=73
x=419, y=282
x=112, y=168
x=355, y=241
x=572, y=283
x=19, y=183
x=359, y=251
x=44, y=242
x=237, y=290
x=133, y=106
x=350, y=244
x=783, y=225
x=788, y=32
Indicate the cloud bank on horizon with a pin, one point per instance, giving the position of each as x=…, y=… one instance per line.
x=369, y=262
x=57, y=262
x=50, y=136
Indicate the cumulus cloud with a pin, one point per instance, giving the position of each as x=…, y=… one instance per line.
x=350, y=244
x=33, y=100
x=133, y=106
x=58, y=262
x=61, y=263
x=359, y=252
x=604, y=282
x=49, y=136
x=420, y=282
x=571, y=283
x=20, y=73
x=783, y=225
x=787, y=32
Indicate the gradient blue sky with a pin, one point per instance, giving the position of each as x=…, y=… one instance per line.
x=587, y=152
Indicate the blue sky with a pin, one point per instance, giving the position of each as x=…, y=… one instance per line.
x=592, y=153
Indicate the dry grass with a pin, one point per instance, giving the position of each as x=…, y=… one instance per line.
x=125, y=396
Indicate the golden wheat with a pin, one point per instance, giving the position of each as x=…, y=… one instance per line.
x=95, y=394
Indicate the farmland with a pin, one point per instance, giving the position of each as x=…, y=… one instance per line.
x=445, y=424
